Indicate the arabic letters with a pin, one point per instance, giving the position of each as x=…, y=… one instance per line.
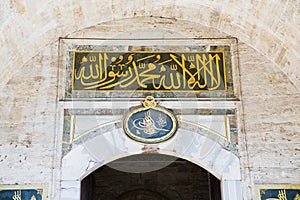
x=280, y=194
x=148, y=71
x=17, y=195
x=149, y=123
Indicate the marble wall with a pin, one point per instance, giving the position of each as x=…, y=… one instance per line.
x=268, y=107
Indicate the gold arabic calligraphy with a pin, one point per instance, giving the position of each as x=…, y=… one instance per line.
x=282, y=196
x=148, y=71
x=148, y=125
x=17, y=195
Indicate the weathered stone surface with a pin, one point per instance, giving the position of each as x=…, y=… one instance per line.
x=269, y=143
x=267, y=26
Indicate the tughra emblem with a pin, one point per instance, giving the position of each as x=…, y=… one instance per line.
x=150, y=123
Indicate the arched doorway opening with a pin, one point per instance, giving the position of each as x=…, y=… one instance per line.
x=97, y=151
x=150, y=176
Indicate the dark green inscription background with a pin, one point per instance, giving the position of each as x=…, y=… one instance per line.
x=153, y=71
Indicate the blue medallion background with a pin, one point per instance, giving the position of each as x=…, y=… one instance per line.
x=155, y=115
x=25, y=194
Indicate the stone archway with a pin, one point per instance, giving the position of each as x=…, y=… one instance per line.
x=103, y=148
x=107, y=143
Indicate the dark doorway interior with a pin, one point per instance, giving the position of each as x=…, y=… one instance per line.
x=158, y=177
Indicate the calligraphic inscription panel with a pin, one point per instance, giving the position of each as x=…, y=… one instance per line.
x=157, y=131
x=280, y=194
x=150, y=123
x=163, y=72
x=22, y=194
x=156, y=71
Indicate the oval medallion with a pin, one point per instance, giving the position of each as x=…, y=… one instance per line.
x=150, y=123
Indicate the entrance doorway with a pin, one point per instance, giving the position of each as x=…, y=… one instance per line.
x=150, y=176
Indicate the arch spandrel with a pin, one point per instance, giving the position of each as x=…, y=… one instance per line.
x=71, y=18
x=106, y=147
